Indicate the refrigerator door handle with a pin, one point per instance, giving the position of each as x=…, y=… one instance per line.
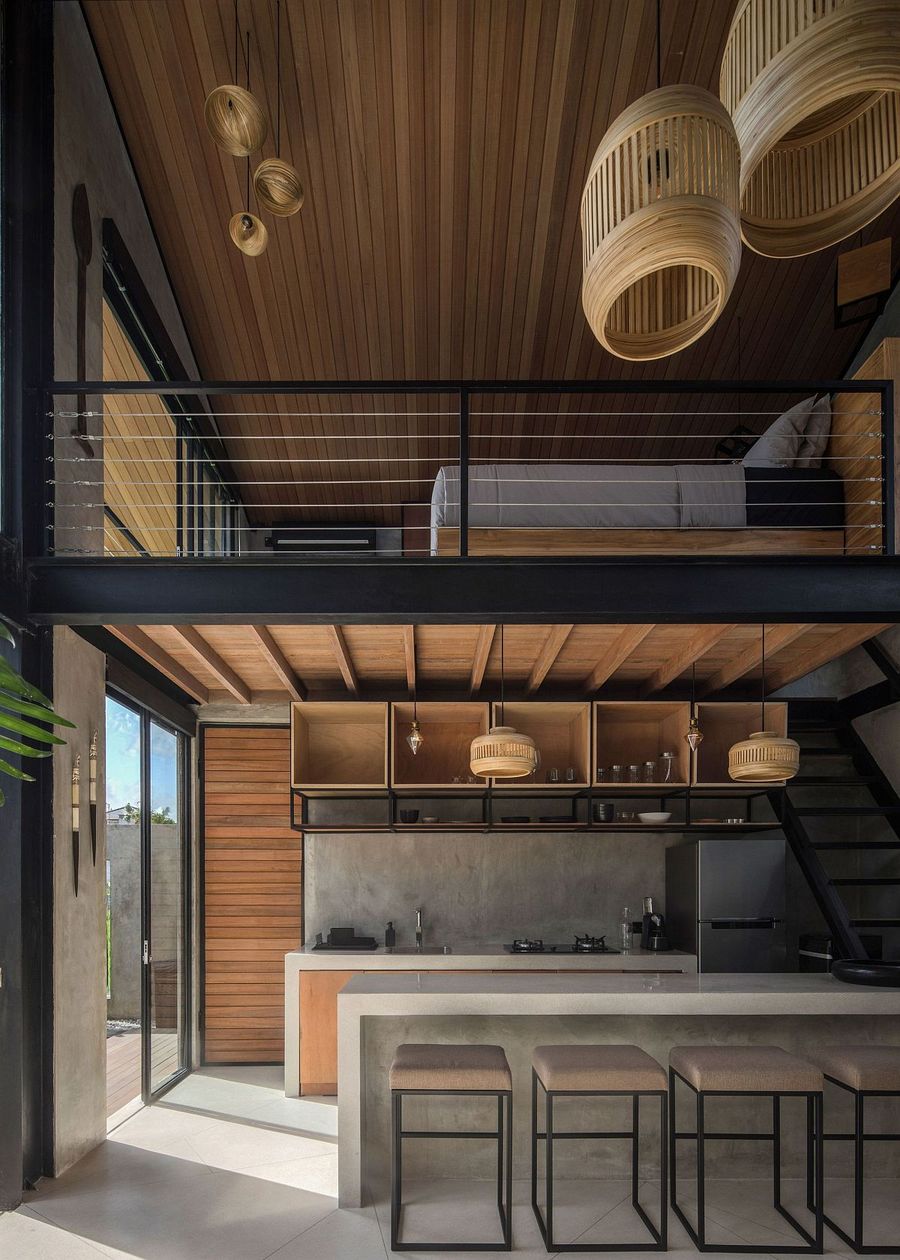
x=766, y=922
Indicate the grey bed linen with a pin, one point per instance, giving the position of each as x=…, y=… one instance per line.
x=593, y=496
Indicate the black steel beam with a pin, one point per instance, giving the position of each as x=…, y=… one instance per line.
x=450, y=590
x=619, y=386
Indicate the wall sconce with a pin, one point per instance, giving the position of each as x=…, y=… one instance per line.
x=92, y=794
x=76, y=819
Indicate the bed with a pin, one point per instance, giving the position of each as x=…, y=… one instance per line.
x=782, y=497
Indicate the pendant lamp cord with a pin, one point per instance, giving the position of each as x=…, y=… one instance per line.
x=278, y=78
x=502, y=678
x=248, y=89
x=658, y=43
x=763, y=698
x=693, y=688
x=237, y=41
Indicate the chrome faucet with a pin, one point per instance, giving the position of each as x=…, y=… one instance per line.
x=418, y=927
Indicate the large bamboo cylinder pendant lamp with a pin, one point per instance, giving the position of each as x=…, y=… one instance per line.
x=764, y=756
x=813, y=87
x=504, y=753
x=659, y=222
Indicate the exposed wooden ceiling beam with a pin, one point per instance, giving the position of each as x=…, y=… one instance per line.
x=409, y=653
x=342, y=656
x=480, y=659
x=835, y=645
x=628, y=640
x=278, y=662
x=552, y=647
x=141, y=643
x=777, y=637
x=209, y=657
x=698, y=645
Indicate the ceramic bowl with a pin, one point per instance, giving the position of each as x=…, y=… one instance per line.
x=654, y=818
x=409, y=815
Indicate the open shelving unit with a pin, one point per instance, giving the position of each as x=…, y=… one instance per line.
x=562, y=733
x=442, y=762
x=723, y=724
x=356, y=751
x=632, y=732
x=339, y=746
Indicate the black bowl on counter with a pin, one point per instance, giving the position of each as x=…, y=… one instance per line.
x=409, y=815
x=867, y=971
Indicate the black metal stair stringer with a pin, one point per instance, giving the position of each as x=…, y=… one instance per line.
x=844, y=935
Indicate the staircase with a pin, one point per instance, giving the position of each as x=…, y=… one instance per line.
x=841, y=818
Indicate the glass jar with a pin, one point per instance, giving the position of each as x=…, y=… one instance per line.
x=602, y=774
x=615, y=774
x=648, y=773
x=634, y=773
x=667, y=761
x=570, y=774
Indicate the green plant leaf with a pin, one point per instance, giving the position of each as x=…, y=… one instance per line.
x=14, y=773
x=21, y=727
x=6, y=633
x=39, y=711
x=24, y=750
x=11, y=681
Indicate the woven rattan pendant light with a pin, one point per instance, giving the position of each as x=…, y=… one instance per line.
x=234, y=117
x=763, y=757
x=248, y=232
x=659, y=223
x=504, y=753
x=813, y=87
x=275, y=182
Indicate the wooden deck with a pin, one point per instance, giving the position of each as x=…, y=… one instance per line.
x=123, y=1065
x=123, y=1070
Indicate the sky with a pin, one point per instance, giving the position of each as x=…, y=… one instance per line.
x=123, y=760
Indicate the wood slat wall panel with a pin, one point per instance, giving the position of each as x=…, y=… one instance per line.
x=252, y=891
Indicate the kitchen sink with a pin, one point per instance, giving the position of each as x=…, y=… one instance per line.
x=412, y=950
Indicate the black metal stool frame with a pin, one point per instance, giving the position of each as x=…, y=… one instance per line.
x=814, y=1245
x=859, y=1137
x=503, y=1137
x=659, y=1236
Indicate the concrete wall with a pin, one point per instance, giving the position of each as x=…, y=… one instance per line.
x=79, y=953
x=89, y=149
x=480, y=888
x=123, y=851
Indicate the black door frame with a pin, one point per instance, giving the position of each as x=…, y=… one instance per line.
x=146, y=717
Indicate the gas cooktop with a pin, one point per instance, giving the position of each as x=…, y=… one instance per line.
x=581, y=945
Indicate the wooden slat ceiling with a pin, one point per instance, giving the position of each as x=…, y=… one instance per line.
x=216, y=663
x=443, y=146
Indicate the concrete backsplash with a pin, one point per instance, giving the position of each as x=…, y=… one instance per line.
x=480, y=888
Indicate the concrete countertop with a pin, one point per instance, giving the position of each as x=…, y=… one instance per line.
x=465, y=957
x=570, y=995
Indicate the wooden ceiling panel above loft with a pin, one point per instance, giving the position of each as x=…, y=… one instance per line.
x=443, y=146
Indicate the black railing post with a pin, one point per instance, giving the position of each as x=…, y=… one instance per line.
x=463, y=472
x=887, y=467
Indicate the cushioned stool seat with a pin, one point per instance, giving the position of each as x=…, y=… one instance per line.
x=450, y=1067
x=862, y=1067
x=745, y=1069
x=597, y=1068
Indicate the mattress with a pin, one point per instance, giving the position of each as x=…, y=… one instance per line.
x=636, y=496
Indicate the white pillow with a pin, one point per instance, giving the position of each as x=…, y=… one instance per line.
x=797, y=439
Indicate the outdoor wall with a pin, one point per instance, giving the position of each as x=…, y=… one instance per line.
x=79, y=956
x=123, y=854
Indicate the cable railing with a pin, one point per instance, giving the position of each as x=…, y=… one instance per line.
x=447, y=468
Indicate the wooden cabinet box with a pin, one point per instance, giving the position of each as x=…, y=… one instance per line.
x=562, y=733
x=447, y=733
x=633, y=732
x=339, y=745
x=724, y=724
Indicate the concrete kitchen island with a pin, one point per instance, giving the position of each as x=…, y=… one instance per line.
x=378, y=1012
x=485, y=958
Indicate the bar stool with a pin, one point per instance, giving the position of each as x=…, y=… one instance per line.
x=597, y=1072
x=864, y=1072
x=748, y=1071
x=474, y=1071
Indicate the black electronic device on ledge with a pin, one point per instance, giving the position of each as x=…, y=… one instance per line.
x=341, y=938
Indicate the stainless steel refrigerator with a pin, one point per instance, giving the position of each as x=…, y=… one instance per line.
x=725, y=902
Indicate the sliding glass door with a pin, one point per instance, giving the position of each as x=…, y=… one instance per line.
x=148, y=904
x=166, y=866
